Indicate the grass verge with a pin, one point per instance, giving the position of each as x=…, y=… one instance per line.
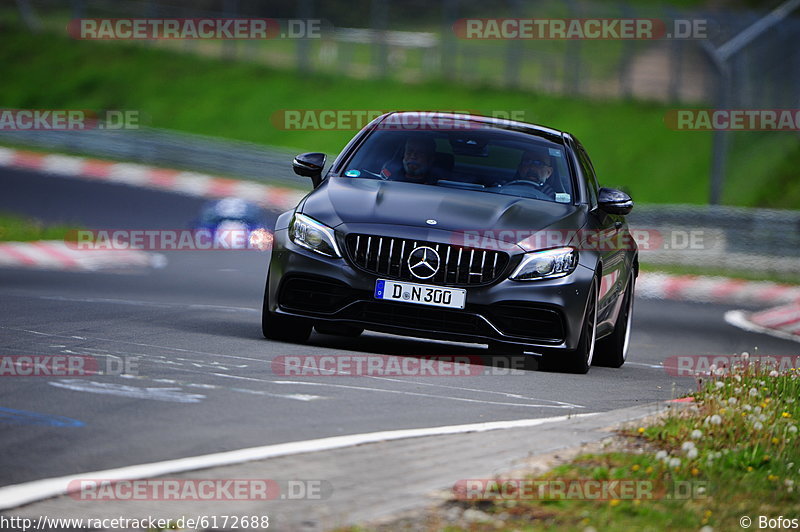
x=14, y=228
x=730, y=453
x=745, y=275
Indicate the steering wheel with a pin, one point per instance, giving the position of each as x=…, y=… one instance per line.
x=520, y=182
x=538, y=193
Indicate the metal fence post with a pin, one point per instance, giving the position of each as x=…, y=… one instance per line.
x=449, y=51
x=514, y=57
x=380, y=20
x=305, y=10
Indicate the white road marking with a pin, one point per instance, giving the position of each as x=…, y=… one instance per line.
x=644, y=364
x=738, y=318
x=558, y=404
x=155, y=304
x=404, y=392
x=173, y=395
x=28, y=492
x=437, y=385
x=131, y=343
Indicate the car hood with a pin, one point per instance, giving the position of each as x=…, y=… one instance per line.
x=341, y=200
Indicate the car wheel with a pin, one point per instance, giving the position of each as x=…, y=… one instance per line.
x=613, y=349
x=282, y=328
x=335, y=329
x=578, y=360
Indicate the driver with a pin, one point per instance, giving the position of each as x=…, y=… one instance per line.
x=536, y=167
x=417, y=167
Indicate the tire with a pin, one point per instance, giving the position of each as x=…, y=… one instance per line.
x=335, y=329
x=577, y=360
x=282, y=328
x=612, y=351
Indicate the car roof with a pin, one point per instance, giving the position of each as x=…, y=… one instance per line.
x=500, y=123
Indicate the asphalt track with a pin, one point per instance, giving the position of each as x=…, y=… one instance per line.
x=204, y=381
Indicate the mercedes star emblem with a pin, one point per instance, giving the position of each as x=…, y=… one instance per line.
x=423, y=262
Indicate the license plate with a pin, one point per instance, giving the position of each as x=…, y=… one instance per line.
x=421, y=294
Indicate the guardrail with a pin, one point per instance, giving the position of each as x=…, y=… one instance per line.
x=723, y=238
x=173, y=149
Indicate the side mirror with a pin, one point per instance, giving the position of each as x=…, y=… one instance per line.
x=310, y=165
x=614, y=201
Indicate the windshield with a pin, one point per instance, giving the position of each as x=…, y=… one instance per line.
x=491, y=160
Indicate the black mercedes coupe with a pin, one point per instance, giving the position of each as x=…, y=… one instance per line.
x=458, y=227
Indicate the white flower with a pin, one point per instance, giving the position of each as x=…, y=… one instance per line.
x=701, y=490
x=691, y=454
x=716, y=420
x=753, y=392
x=707, y=528
x=674, y=462
x=732, y=401
x=712, y=368
x=745, y=355
x=720, y=372
x=789, y=482
x=773, y=373
x=687, y=445
x=757, y=425
x=757, y=410
x=696, y=434
x=719, y=384
x=660, y=455
x=762, y=417
x=738, y=378
x=792, y=428
x=747, y=407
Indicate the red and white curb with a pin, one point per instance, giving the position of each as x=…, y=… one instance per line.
x=782, y=321
x=188, y=183
x=57, y=255
x=705, y=289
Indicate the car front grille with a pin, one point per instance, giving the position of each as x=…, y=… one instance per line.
x=458, y=265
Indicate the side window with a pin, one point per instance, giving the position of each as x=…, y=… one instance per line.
x=588, y=171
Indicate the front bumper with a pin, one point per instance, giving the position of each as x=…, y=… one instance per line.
x=545, y=314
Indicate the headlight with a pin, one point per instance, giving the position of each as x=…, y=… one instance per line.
x=311, y=234
x=546, y=264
